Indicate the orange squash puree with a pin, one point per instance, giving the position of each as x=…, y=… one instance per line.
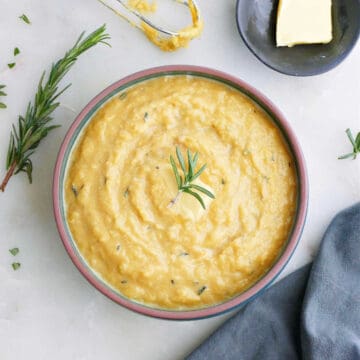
x=119, y=183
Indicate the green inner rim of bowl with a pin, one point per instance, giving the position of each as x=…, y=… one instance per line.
x=85, y=121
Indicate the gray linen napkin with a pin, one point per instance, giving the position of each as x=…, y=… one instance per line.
x=314, y=313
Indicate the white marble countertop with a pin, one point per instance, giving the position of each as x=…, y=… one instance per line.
x=47, y=309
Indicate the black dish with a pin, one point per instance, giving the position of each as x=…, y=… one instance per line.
x=256, y=22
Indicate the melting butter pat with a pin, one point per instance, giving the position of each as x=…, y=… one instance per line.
x=303, y=22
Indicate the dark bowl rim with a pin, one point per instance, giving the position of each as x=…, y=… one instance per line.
x=276, y=268
x=338, y=60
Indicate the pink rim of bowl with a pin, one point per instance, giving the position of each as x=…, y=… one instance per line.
x=281, y=261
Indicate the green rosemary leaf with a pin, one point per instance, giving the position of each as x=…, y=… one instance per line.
x=351, y=138
x=14, y=251
x=357, y=141
x=2, y=105
x=2, y=86
x=199, y=172
x=195, y=159
x=195, y=195
x=33, y=127
x=24, y=18
x=11, y=65
x=190, y=165
x=347, y=156
x=355, y=144
x=176, y=173
x=16, y=51
x=181, y=160
x=203, y=190
x=2, y=93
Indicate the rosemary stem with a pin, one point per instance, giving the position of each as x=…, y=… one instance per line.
x=8, y=175
x=175, y=199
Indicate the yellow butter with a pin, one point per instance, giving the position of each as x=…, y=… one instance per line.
x=303, y=22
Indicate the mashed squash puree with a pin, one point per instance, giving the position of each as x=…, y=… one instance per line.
x=119, y=185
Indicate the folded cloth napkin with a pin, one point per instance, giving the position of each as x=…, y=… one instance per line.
x=314, y=313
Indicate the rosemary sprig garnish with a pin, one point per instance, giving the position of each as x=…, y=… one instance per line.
x=185, y=183
x=355, y=143
x=33, y=126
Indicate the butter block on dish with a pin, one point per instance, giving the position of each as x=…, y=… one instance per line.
x=303, y=22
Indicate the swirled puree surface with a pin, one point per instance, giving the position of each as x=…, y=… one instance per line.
x=119, y=185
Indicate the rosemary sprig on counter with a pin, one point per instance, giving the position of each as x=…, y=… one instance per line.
x=34, y=125
x=185, y=183
x=355, y=143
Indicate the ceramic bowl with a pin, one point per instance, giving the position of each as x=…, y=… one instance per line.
x=256, y=22
x=83, y=119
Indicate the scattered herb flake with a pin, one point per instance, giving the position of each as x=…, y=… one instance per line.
x=223, y=181
x=24, y=18
x=126, y=192
x=123, y=95
x=16, y=51
x=75, y=190
x=15, y=265
x=146, y=116
x=124, y=281
x=118, y=247
x=11, y=65
x=172, y=281
x=201, y=290
x=157, y=167
x=184, y=254
x=14, y=251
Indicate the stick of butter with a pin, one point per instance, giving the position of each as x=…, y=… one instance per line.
x=303, y=22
